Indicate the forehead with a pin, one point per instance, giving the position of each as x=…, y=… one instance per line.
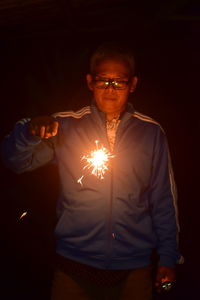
x=113, y=68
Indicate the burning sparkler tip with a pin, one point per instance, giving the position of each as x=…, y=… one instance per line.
x=98, y=161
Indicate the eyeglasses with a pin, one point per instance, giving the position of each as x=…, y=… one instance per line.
x=116, y=84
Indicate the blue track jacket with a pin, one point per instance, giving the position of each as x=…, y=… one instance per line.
x=115, y=222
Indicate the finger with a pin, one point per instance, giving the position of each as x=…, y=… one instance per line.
x=47, y=132
x=42, y=132
x=51, y=130
x=55, y=128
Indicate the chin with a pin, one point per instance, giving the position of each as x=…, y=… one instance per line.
x=109, y=106
x=110, y=109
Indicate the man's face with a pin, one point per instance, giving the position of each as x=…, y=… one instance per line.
x=108, y=99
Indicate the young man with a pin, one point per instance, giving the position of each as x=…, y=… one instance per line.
x=116, y=207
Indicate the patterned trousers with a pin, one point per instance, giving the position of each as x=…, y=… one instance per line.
x=137, y=286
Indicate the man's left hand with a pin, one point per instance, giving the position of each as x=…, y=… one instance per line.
x=164, y=274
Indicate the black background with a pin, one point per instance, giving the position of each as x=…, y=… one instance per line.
x=43, y=71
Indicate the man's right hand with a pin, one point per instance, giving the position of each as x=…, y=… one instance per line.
x=43, y=126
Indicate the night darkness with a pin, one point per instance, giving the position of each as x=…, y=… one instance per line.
x=43, y=61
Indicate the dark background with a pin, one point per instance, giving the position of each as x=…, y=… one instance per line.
x=44, y=50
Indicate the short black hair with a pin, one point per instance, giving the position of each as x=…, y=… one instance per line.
x=113, y=51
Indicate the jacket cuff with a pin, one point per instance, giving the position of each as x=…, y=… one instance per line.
x=167, y=261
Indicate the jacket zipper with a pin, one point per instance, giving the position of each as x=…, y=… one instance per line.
x=109, y=233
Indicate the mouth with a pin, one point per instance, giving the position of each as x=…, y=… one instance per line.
x=110, y=99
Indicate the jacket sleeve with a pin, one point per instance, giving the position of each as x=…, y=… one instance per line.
x=23, y=152
x=163, y=203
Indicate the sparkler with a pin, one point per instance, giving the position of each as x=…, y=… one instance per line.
x=97, y=161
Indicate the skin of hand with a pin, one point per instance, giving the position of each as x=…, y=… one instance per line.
x=164, y=274
x=43, y=127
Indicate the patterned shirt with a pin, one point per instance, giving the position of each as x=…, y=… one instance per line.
x=111, y=127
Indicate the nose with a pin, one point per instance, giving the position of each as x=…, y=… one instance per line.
x=110, y=89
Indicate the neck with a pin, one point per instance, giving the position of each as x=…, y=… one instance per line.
x=111, y=116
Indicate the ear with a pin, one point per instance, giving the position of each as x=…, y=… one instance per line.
x=89, y=81
x=134, y=81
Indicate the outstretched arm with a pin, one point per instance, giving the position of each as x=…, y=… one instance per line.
x=30, y=144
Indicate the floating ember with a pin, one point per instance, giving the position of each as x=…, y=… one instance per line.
x=23, y=215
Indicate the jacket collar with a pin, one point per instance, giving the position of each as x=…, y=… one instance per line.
x=100, y=116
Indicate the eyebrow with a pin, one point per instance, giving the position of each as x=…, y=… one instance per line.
x=106, y=76
x=111, y=79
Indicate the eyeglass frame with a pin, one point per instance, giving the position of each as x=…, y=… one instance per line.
x=111, y=81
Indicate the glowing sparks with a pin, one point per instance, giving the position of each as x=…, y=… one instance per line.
x=80, y=180
x=23, y=215
x=97, y=161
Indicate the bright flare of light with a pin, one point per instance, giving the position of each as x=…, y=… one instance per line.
x=97, y=162
x=23, y=215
